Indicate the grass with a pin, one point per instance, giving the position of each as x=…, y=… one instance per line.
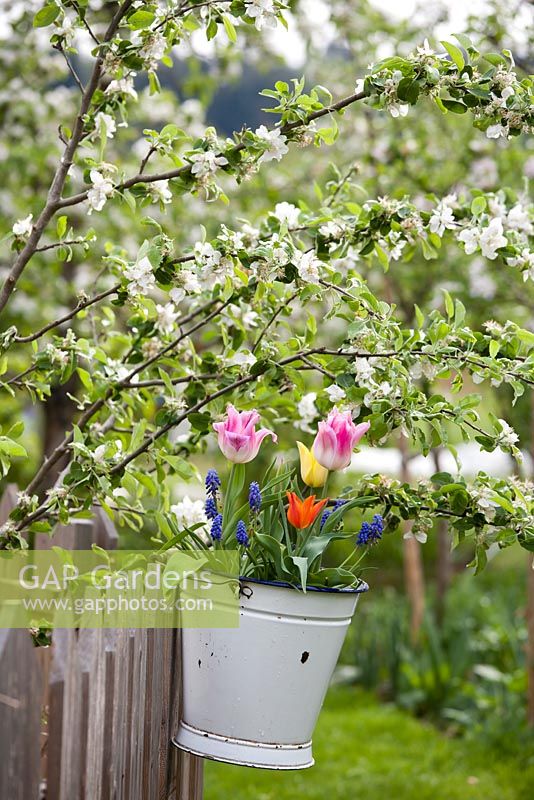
x=370, y=751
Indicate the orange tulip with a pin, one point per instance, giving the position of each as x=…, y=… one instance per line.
x=303, y=513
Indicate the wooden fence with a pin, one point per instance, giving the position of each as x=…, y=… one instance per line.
x=92, y=716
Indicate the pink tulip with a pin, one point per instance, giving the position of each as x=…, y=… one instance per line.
x=336, y=439
x=238, y=439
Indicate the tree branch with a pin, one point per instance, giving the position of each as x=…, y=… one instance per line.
x=58, y=182
x=71, y=69
x=80, y=307
x=66, y=243
x=175, y=173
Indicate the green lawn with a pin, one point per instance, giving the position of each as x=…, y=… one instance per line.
x=367, y=751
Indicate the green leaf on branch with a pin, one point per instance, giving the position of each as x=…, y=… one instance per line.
x=61, y=226
x=454, y=106
x=141, y=19
x=478, y=206
x=11, y=448
x=456, y=54
x=46, y=15
x=229, y=28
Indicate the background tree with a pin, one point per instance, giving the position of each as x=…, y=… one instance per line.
x=137, y=300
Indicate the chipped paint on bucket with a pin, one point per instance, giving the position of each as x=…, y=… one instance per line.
x=252, y=695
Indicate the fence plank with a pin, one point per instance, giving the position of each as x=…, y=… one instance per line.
x=56, y=712
x=109, y=745
x=21, y=690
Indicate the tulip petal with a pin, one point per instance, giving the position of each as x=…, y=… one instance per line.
x=325, y=446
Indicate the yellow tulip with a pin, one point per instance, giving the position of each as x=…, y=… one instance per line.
x=312, y=473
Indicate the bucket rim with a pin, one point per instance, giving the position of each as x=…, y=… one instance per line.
x=360, y=589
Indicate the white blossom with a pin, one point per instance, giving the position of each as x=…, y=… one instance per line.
x=99, y=454
x=508, y=436
x=100, y=190
x=215, y=266
x=331, y=230
x=518, y=219
x=393, y=245
x=492, y=238
x=287, y=212
x=140, y=277
x=525, y=261
x=250, y=233
x=122, y=86
x=364, y=370
x=470, y=238
x=106, y=123
x=206, y=163
x=424, y=49
x=243, y=358
x=189, y=284
x=496, y=131
x=23, y=227
x=263, y=13
x=485, y=503
x=66, y=29
x=398, y=109
x=234, y=239
x=154, y=49
x=335, y=393
x=497, y=206
x=249, y=318
x=206, y=255
x=167, y=316
x=276, y=142
x=189, y=512
x=159, y=192
x=442, y=216
x=307, y=411
x=190, y=281
x=59, y=357
x=308, y=266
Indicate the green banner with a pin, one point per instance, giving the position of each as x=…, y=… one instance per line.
x=119, y=589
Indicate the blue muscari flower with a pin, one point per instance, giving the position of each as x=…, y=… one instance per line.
x=364, y=534
x=254, y=497
x=211, y=507
x=241, y=533
x=216, y=528
x=324, y=518
x=371, y=532
x=328, y=512
x=213, y=482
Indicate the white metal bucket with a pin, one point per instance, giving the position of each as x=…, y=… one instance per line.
x=252, y=695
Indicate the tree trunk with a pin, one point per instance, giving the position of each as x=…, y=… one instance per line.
x=58, y=415
x=59, y=411
x=443, y=565
x=413, y=565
